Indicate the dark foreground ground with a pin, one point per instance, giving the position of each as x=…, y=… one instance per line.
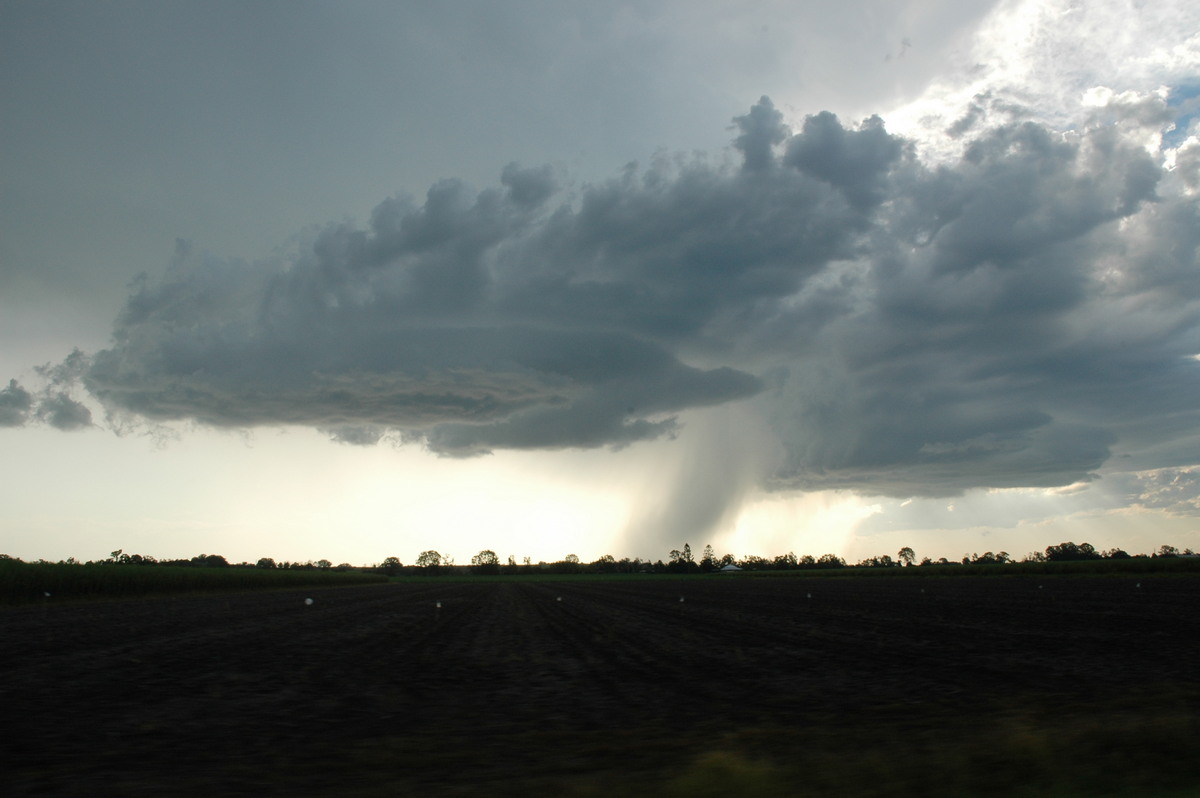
x=707, y=685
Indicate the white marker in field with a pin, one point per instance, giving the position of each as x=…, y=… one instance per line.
x=439, y=605
x=308, y=602
x=681, y=599
x=558, y=599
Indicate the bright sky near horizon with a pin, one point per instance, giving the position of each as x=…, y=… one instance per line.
x=354, y=280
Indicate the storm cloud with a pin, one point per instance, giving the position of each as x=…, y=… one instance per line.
x=1013, y=316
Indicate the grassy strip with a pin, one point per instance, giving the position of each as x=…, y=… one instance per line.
x=1080, y=751
x=24, y=583
x=1034, y=746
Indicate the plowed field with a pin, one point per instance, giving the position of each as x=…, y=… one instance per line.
x=593, y=685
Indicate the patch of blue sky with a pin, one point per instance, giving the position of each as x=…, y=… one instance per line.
x=1185, y=100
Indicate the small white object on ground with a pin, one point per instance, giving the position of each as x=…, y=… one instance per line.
x=308, y=602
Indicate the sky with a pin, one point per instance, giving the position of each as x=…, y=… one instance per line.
x=355, y=280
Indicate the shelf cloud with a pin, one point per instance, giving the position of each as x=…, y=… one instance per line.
x=905, y=324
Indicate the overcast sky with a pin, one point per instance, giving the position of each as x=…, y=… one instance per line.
x=355, y=280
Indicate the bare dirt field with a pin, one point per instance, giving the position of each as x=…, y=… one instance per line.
x=660, y=685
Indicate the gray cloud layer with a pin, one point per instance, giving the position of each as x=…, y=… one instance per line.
x=1013, y=318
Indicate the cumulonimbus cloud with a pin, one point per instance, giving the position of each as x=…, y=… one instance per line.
x=1007, y=318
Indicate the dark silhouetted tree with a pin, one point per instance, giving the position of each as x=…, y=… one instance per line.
x=906, y=556
x=429, y=561
x=1066, y=552
x=265, y=562
x=605, y=565
x=391, y=566
x=486, y=562
x=784, y=562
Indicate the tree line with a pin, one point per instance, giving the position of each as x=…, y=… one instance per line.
x=678, y=561
x=488, y=563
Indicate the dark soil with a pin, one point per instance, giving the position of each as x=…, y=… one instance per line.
x=576, y=686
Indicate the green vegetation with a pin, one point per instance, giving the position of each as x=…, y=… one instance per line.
x=24, y=583
x=126, y=575
x=1111, y=750
x=1031, y=745
x=1064, y=558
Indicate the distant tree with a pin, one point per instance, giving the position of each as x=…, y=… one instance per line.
x=429, y=561
x=906, y=556
x=390, y=566
x=265, y=562
x=210, y=561
x=783, y=562
x=1066, y=552
x=682, y=560
x=605, y=565
x=830, y=561
x=709, y=561
x=324, y=564
x=486, y=562
x=807, y=561
x=567, y=565
x=1167, y=551
x=926, y=561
